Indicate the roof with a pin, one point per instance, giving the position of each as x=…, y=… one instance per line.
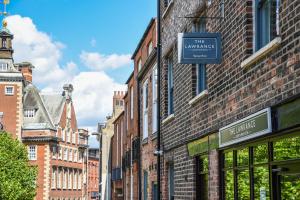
x=143, y=38
x=48, y=109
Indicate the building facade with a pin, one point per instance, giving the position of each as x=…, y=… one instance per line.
x=93, y=173
x=231, y=130
x=46, y=124
x=145, y=63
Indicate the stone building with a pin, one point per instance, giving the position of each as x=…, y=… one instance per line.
x=46, y=124
x=145, y=63
x=107, y=131
x=231, y=130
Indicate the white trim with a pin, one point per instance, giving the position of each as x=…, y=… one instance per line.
x=13, y=90
x=169, y=118
x=262, y=52
x=263, y=132
x=198, y=97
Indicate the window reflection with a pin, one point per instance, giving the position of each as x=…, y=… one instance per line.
x=288, y=148
x=243, y=185
x=260, y=154
x=261, y=183
x=243, y=157
x=229, y=185
x=228, y=159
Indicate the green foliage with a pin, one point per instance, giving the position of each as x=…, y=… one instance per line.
x=17, y=177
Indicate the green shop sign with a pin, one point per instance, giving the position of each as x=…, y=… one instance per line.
x=250, y=127
x=203, y=145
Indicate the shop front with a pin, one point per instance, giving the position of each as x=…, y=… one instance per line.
x=260, y=155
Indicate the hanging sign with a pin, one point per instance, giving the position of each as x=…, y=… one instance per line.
x=199, y=48
x=250, y=127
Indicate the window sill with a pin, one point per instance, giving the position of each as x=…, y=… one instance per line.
x=261, y=53
x=145, y=141
x=201, y=95
x=167, y=9
x=168, y=119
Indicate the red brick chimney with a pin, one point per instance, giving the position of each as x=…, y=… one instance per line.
x=26, y=69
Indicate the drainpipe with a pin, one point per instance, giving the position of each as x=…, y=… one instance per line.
x=139, y=136
x=158, y=151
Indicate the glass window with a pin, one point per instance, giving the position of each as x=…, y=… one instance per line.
x=171, y=181
x=261, y=183
x=131, y=102
x=287, y=148
x=243, y=182
x=145, y=185
x=243, y=157
x=150, y=47
x=266, y=22
x=3, y=66
x=228, y=157
x=260, y=153
x=9, y=90
x=145, y=109
x=170, y=85
x=32, y=152
x=154, y=99
x=203, y=177
x=140, y=64
x=29, y=112
x=53, y=179
x=229, y=184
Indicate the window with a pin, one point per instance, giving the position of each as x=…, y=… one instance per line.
x=170, y=85
x=70, y=179
x=63, y=134
x=29, y=112
x=80, y=157
x=145, y=109
x=60, y=153
x=65, y=179
x=202, y=164
x=73, y=137
x=59, y=179
x=54, y=152
x=9, y=90
x=4, y=43
x=127, y=116
x=3, y=66
x=71, y=155
x=75, y=156
x=131, y=102
x=65, y=154
x=117, y=134
x=79, y=180
x=171, y=181
x=200, y=26
x=139, y=64
x=53, y=179
x=150, y=48
x=145, y=185
x=154, y=99
x=68, y=135
x=75, y=180
x=32, y=152
x=266, y=22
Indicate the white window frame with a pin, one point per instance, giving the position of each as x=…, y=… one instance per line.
x=150, y=47
x=75, y=156
x=65, y=154
x=139, y=64
x=59, y=179
x=131, y=102
x=12, y=90
x=3, y=67
x=69, y=179
x=154, y=99
x=63, y=134
x=32, y=152
x=74, y=137
x=145, y=109
x=71, y=155
x=64, y=179
x=53, y=180
x=29, y=113
x=79, y=180
x=75, y=180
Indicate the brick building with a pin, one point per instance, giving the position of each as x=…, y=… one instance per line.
x=93, y=171
x=131, y=141
x=46, y=124
x=231, y=130
x=145, y=63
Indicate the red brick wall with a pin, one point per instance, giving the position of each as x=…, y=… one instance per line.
x=93, y=176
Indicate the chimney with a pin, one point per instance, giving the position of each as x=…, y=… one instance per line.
x=68, y=89
x=26, y=69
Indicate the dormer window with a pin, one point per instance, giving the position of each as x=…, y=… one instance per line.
x=29, y=113
x=4, y=43
x=3, y=66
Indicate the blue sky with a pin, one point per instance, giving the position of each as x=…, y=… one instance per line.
x=115, y=25
x=87, y=43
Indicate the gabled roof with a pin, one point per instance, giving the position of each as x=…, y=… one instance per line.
x=48, y=109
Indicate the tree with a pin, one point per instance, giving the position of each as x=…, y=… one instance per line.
x=17, y=176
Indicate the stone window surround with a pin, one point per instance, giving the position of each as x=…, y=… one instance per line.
x=8, y=93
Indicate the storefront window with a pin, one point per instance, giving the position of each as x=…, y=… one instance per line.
x=288, y=148
x=248, y=172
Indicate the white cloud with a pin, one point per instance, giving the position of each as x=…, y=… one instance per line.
x=94, y=60
x=37, y=47
x=93, y=90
